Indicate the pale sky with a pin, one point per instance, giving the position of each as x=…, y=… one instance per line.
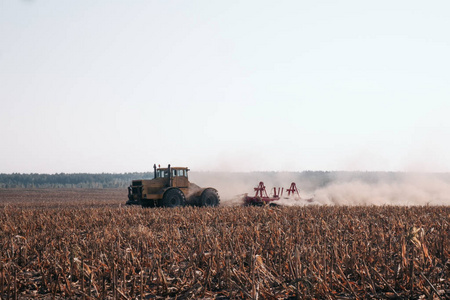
x=115, y=86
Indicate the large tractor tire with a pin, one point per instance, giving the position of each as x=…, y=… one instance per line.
x=173, y=198
x=209, y=197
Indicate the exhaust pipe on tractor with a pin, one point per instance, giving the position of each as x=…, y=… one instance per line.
x=170, y=174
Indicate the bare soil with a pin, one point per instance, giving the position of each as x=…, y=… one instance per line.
x=54, y=198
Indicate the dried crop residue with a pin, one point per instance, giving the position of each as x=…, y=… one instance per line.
x=224, y=252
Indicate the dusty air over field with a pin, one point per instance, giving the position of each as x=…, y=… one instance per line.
x=342, y=188
x=231, y=86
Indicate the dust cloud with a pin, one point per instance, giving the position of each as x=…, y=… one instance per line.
x=333, y=188
x=410, y=190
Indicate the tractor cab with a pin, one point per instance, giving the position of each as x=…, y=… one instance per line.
x=173, y=176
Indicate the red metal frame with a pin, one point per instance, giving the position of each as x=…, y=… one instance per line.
x=261, y=190
x=262, y=198
x=293, y=190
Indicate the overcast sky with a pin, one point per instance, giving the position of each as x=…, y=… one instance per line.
x=115, y=86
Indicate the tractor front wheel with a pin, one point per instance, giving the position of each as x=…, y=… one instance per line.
x=209, y=197
x=173, y=198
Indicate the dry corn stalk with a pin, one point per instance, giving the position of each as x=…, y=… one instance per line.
x=72, y=251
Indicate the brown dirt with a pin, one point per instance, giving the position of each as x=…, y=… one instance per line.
x=54, y=198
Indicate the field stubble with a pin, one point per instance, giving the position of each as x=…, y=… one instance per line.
x=85, y=244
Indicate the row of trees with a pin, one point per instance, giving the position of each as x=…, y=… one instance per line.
x=63, y=180
x=307, y=179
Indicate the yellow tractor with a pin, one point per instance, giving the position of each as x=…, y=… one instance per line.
x=170, y=187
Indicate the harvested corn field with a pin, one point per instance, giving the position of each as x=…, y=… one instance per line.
x=84, y=244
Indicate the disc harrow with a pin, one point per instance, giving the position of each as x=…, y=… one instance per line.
x=262, y=198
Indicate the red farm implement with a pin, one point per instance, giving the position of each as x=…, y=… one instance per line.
x=262, y=198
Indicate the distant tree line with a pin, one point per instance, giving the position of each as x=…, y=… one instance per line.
x=75, y=180
x=307, y=179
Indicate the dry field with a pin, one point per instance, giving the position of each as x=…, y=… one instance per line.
x=74, y=244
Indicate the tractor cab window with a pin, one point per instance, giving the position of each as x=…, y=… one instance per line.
x=163, y=173
x=179, y=173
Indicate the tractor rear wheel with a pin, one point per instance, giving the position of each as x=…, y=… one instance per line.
x=173, y=198
x=209, y=197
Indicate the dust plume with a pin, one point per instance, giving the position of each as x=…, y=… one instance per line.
x=232, y=186
x=334, y=188
x=409, y=190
